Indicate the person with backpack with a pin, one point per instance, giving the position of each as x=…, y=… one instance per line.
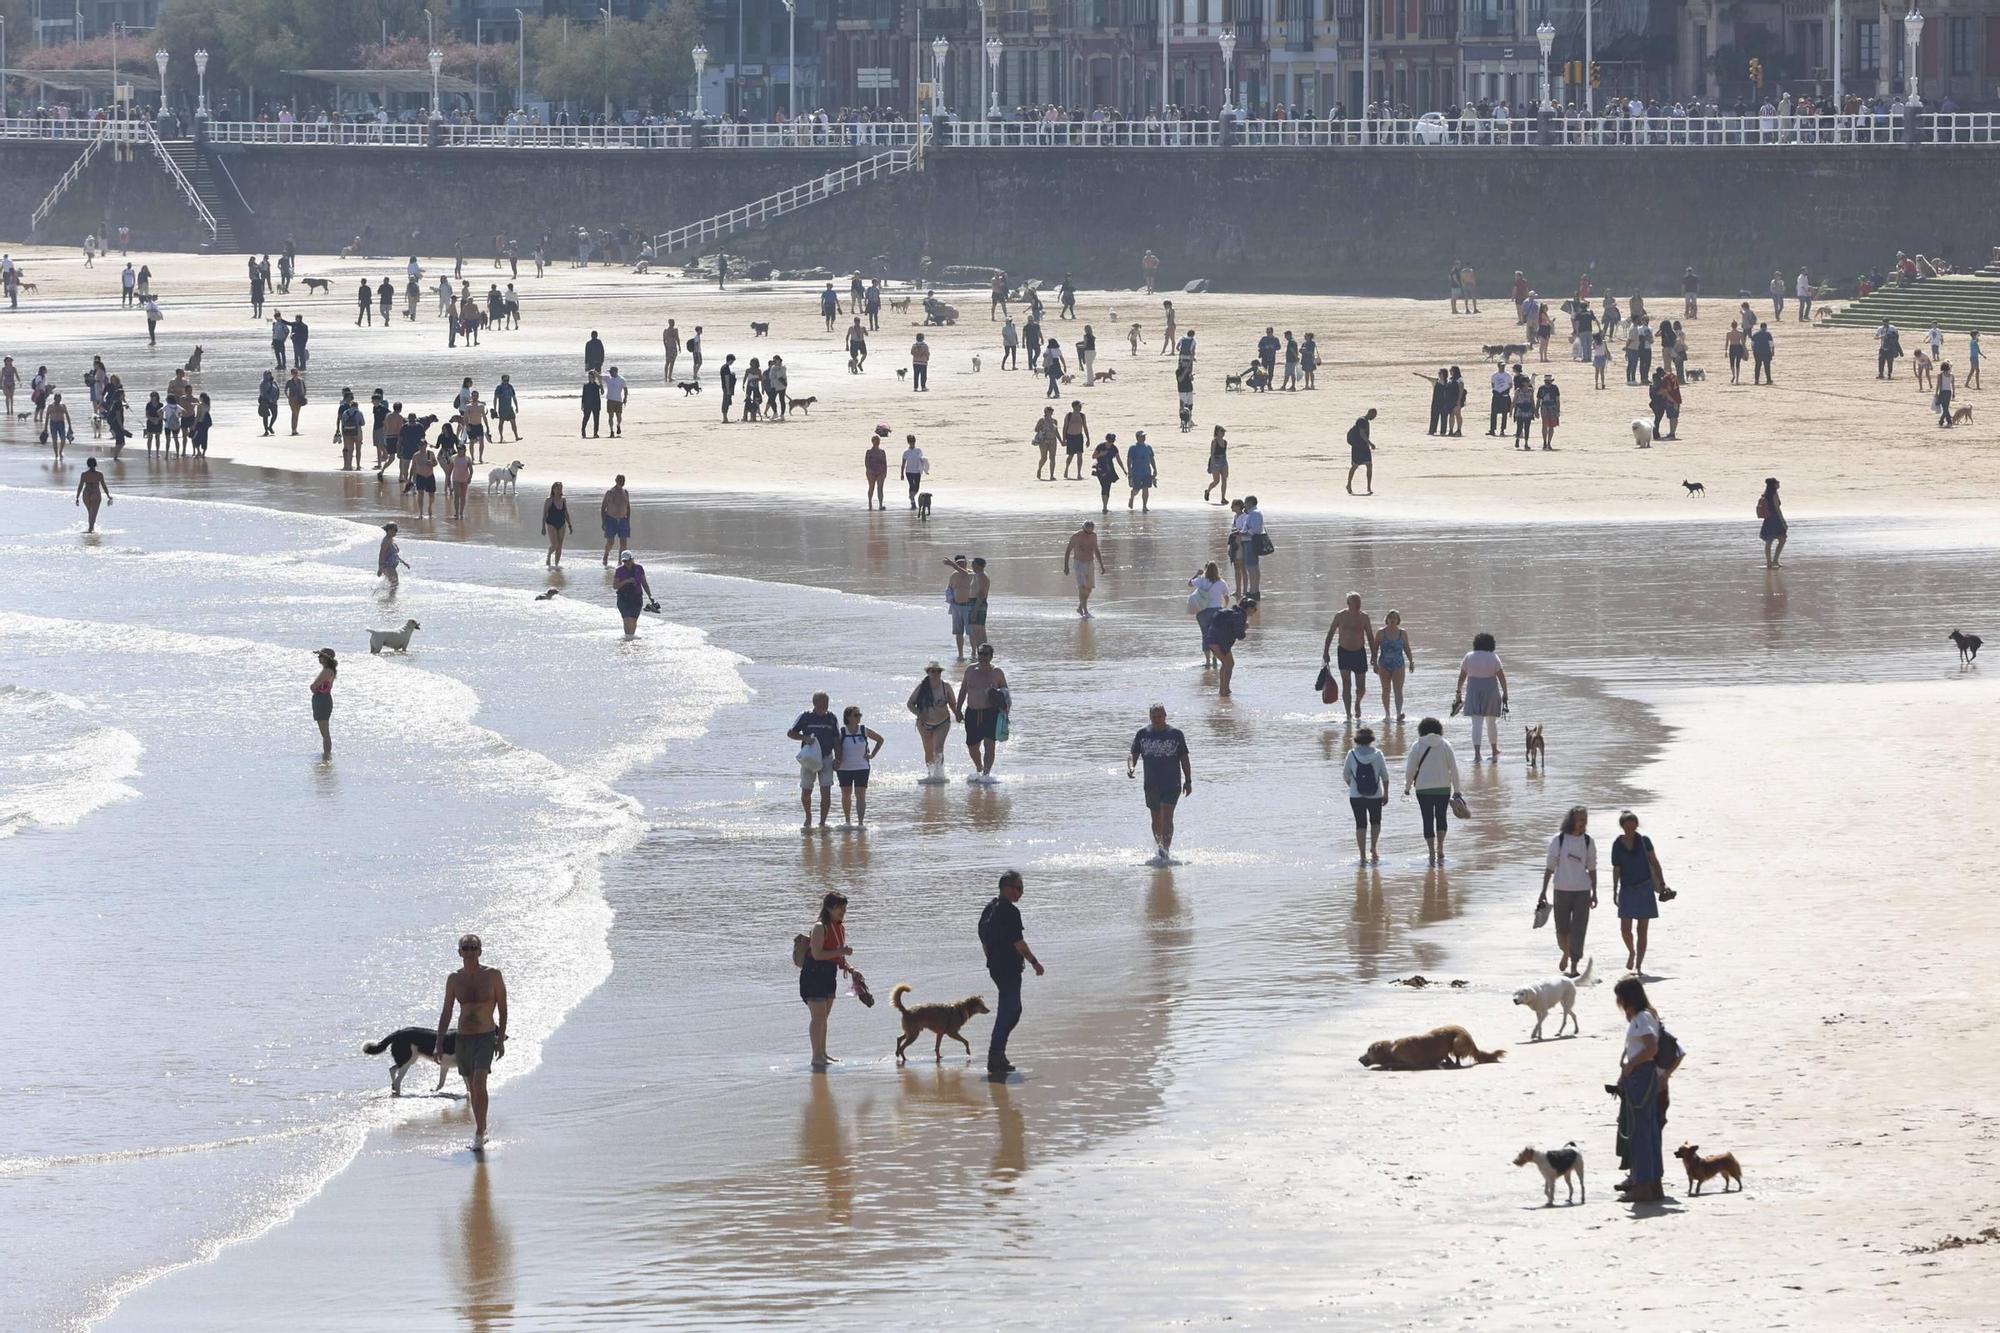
x=1225, y=629
x=1572, y=867
x=1650, y=1054
x=1367, y=775
x=1772, y=526
x=824, y=957
x=351, y=423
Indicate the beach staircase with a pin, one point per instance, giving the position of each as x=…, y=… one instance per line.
x=189, y=168
x=67, y=182
x=771, y=207
x=1959, y=302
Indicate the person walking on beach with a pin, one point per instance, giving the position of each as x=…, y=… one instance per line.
x=670, y=346
x=1084, y=558
x=1431, y=771
x=151, y=306
x=1004, y=939
x=1762, y=349
x=1010, y=345
x=1052, y=367
x=1250, y=546
x=818, y=726
x=1141, y=473
x=1637, y=885
x=1361, y=452
x=556, y=525
x=1946, y=383
x=92, y=490
x=727, y=375
x=1572, y=867
x=1366, y=773
x=1047, y=436
x=299, y=335
x=592, y=400
x=826, y=958
x=322, y=700
x=1641, y=1082
x=858, y=747
x=423, y=476
x=1104, y=466
x=614, y=401
x=1772, y=527
x=982, y=699
x=614, y=513
x=694, y=353
x=629, y=586
x=593, y=353
x=875, y=468
x=1210, y=594
x=1481, y=693
x=1169, y=776
x=1394, y=658
x=960, y=597
x=914, y=466
x=280, y=337
x=920, y=365
x=1548, y=405
x=934, y=706
x=857, y=348
x=480, y=994
x=1357, y=647
x=295, y=397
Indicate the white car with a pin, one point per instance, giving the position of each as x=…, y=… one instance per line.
x=1432, y=127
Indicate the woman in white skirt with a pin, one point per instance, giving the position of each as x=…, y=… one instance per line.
x=1482, y=692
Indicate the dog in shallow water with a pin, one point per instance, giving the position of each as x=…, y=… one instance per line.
x=1450, y=1044
x=399, y=639
x=1968, y=645
x=1564, y=1164
x=944, y=1020
x=1537, y=749
x=406, y=1046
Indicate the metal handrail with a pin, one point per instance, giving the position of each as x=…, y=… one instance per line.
x=75, y=172
x=789, y=200
x=187, y=187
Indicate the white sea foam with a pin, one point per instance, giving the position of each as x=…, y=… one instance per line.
x=58, y=764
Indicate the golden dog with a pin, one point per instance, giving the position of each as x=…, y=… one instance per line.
x=1429, y=1051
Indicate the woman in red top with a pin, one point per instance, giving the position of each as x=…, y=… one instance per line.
x=322, y=700
x=819, y=976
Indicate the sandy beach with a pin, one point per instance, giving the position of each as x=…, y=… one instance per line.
x=1193, y=1140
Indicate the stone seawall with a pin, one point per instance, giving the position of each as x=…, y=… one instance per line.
x=1377, y=221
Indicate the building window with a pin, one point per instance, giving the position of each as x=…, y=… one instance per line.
x=1868, y=46
x=1961, y=46
x=1437, y=20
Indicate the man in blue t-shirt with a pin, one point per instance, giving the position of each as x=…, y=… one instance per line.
x=1169, y=776
x=1005, y=942
x=817, y=724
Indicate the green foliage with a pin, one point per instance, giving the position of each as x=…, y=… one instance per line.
x=638, y=61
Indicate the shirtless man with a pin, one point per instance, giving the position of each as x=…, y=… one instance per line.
x=981, y=710
x=1075, y=430
x=1047, y=437
x=481, y=996
x=1167, y=334
x=960, y=585
x=982, y=588
x=423, y=476
x=616, y=515
x=670, y=346
x=1088, y=556
x=1356, y=634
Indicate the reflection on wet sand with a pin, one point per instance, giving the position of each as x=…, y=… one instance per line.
x=481, y=1253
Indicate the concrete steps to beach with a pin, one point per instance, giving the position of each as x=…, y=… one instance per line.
x=1960, y=303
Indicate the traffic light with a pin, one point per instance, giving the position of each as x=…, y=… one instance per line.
x=1596, y=75
x=1756, y=71
x=1573, y=72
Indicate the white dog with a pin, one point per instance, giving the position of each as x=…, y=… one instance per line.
x=975, y=363
x=399, y=639
x=504, y=476
x=1564, y=1163
x=1642, y=432
x=1547, y=995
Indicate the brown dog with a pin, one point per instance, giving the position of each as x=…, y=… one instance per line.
x=1537, y=750
x=1704, y=1169
x=943, y=1019
x=1430, y=1051
x=1961, y=416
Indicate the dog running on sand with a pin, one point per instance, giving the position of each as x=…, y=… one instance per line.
x=943, y=1020
x=1435, y=1049
x=1695, y=488
x=1565, y=1164
x=406, y=1046
x=1968, y=645
x=317, y=285
x=688, y=388
x=1701, y=1169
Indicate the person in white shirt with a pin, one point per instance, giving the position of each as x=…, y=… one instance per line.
x=1572, y=868
x=1250, y=524
x=915, y=465
x=614, y=400
x=1641, y=1080
x=1804, y=291
x=1210, y=595
x=1431, y=769
x=1502, y=407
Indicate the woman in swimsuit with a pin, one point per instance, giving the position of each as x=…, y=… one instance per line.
x=858, y=747
x=322, y=700
x=92, y=490
x=390, y=557
x=935, y=705
x=628, y=581
x=1393, y=659
x=555, y=523
x=1774, y=527
x=1218, y=466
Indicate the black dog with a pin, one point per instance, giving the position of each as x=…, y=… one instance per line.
x=406, y=1046
x=1695, y=488
x=760, y=330
x=689, y=388
x=924, y=505
x=318, y=284
x=1968, y=645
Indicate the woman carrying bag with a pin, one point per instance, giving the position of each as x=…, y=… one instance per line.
x=1431, y=770
x=821, y=961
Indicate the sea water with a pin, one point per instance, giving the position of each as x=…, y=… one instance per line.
x=201, y=921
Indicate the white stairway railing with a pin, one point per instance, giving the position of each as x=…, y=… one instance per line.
x=193, y=195
x=755, y=214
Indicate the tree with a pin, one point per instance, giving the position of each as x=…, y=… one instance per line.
x=638, y=62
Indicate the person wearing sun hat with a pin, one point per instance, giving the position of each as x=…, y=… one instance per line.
x=934, y=705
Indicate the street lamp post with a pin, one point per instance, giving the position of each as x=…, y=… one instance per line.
x=201, y=84
x=3, y=65
x=1166, y=60
x=1546, y=35
x=792, y=61
x=985, y=77
x=1913, y=35
x=1839, y=103
x=607, y=62
x=700, y=63
x=159, y=59
x=1590, y=63
x=520, y=60
x=437, y=64
x=939, y=50
x=1228, y=44
x=993, y=50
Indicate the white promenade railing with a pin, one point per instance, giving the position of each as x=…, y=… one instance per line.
x=1624, y=131
x=755, y=214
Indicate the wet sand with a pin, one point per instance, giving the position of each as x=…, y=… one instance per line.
x=1191, y=1108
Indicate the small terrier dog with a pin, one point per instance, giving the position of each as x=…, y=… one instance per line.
x=975, y=363
x=760, y=330
x=688, y=388
x=1564, y=1164
x=1704, y=1169
x=803, y=406
x=1104, y=377
x=1696, y=375
x=1968, y=645
x=1536, y=747
x=943, y=1020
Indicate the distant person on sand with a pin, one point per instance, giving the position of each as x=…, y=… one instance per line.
x=1773, y=528
x=1048, y=435
x=1431, y=770
x=1572, y=867
x=556, y=525
x=1084, y=558
x=1003, y=938
x=615, y=515
x=827, y=953
x=322, y=700
x=92, y=490
x=480, y=993
x=1218, y=467
x=1169, y=776
x=1361, y=452
x=875, y=467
